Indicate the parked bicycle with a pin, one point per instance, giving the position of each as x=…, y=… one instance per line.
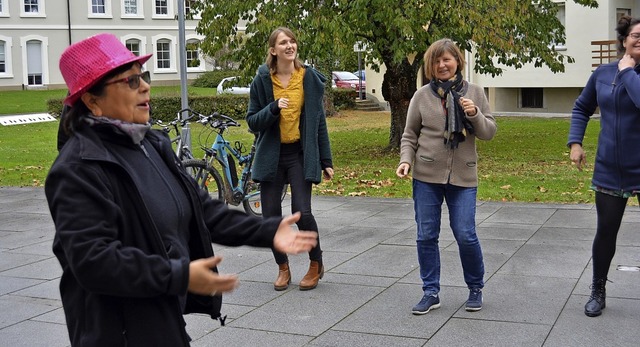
x=234, y=189
x=181, y=148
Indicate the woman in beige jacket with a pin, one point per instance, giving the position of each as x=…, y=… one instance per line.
x=443, y=121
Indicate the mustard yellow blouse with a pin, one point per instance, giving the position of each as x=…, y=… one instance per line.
x=290, y=116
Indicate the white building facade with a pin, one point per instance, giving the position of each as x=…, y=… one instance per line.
x=538, y=90
x=34, y=33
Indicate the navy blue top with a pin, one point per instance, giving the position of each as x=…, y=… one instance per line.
x=617, y=93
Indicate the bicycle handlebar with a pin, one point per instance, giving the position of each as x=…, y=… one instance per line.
x=218, y=121
x=215, y=120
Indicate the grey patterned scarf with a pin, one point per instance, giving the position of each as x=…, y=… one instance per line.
x=457, y=125
x=135, y=131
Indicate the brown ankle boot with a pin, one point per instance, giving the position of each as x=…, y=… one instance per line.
x=315, y=273
x=284, y=277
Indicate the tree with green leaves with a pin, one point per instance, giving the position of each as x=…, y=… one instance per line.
x=396, y=34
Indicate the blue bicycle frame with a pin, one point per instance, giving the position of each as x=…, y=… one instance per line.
x=221, y=152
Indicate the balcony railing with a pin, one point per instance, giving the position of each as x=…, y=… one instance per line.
x=603, y=52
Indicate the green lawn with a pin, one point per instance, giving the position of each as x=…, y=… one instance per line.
x=527, y=161
x=35, y=101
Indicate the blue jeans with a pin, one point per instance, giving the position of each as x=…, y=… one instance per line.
x=461, y=201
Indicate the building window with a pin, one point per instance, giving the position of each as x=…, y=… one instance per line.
x=193, y=46
x=4, y=8
x=134, y=46
x=130, y=7
x=5, y=57
x=162, y=7
x=531, y=97
x=622, y=12
x=190, y=12
x=34, y=63
x=31, y=6
x=98, y=7
x=561, y=16
x=163, y=54
x=3, y=62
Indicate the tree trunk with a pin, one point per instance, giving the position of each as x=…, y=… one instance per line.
x=398, y=87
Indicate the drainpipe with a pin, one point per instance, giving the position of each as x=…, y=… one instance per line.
x=69, y=20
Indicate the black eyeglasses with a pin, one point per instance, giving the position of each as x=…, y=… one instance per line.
x=133, y=80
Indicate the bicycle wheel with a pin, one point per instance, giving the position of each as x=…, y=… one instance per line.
x=206, y=176
x=252, y=203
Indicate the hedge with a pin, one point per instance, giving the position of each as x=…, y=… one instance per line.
x=211, y=79
x=165, y=108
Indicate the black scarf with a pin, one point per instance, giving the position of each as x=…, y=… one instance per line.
x=457, y=125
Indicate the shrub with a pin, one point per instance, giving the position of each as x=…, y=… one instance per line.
x=211, y=79
x=344, y=98
x=165, y=108
x=54, y=107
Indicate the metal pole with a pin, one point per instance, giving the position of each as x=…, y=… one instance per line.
x=182, y=50
x=360, y=75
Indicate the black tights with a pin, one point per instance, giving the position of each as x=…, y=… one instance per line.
x=609, y=210
x=290, y=169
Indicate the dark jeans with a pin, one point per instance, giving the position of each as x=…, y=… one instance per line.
x=610, y=210
x=290, y=169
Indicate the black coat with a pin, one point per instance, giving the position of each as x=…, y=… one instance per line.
x=118, y=285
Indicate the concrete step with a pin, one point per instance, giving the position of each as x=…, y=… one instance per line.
x=367, y=105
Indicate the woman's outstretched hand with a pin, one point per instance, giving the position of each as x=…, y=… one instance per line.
x=204, y=281
x=288, y=240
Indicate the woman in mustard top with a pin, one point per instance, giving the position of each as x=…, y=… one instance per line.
x=286, y=110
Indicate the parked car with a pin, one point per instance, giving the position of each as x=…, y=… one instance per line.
x=346, y=79
x=360, y=73
x=230, y=85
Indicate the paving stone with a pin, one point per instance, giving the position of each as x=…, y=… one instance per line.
x=477, y=332
x=522, y=299
x=537, y=263
x=549, y=259
x=308, y=312
x=617, y=326
x=233, y=336
x=390, y=313
x=333, y=338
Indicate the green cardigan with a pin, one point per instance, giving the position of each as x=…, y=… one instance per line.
x=313, y=127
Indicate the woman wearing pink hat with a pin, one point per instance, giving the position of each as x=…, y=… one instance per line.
x=133, y=231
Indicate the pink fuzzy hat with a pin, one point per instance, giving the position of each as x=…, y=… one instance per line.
x=84, y=63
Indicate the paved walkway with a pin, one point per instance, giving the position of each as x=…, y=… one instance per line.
x=537, y=258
